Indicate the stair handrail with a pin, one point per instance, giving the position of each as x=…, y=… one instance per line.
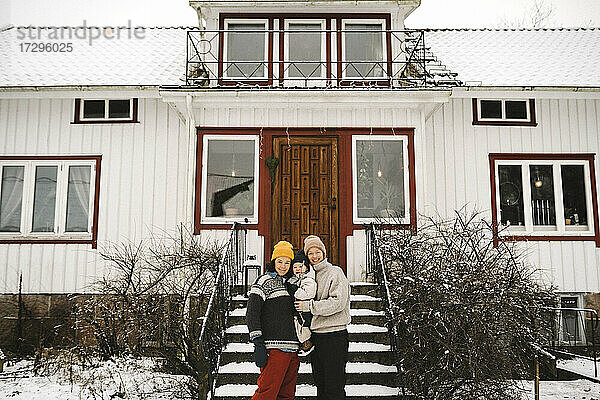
x=229, y=271
x=595, y=322
x=381, y=279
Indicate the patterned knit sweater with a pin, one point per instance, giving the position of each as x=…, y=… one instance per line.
x=270, y=313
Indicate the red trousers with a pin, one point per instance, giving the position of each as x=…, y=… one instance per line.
x=277, y=381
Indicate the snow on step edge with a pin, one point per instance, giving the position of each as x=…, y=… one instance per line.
x=355, y=347
x=305, y=368
x=310, y=391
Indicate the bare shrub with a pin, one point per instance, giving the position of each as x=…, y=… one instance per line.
x=467, y=311
x=151, y=302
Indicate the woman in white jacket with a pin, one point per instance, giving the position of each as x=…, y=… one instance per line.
x=331, y=316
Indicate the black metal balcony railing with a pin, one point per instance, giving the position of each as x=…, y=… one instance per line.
x=399, y=60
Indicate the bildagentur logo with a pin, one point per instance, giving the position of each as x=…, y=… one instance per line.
x=82, y=32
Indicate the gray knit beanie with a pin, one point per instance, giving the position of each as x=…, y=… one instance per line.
x=314, y=241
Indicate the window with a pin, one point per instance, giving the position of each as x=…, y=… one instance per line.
x=381, y=179
x=245, y=49
x=544, y=195
x=362, y=49
x=48, y=199
x=229, y=179
x=504, y=112
x=105, y=110
x=571, y=321
x=305, y=49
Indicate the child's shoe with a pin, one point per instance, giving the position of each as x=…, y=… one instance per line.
x=306, y=348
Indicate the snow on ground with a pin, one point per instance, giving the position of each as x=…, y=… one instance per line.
x=580, y=365
x=126, y=378
x=564, y=390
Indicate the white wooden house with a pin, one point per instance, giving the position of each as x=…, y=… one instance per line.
x=121, y=137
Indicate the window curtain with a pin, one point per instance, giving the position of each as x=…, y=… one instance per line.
x=78, y=199
x=11, y=199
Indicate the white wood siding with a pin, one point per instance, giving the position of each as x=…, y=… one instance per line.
x=142, y=184
x=457, y=172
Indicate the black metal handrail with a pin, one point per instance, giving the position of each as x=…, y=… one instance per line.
x=217, y=310
x=402, y=63
x=376, y=270
x=559, y=330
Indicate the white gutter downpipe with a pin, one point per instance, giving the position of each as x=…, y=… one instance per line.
x=190, y=125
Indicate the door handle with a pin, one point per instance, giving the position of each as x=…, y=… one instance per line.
x=333, y=205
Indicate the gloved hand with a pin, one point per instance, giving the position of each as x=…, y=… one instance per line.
x=260, y=353
x=291, y=288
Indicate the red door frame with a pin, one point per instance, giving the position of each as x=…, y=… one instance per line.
x=346, y=225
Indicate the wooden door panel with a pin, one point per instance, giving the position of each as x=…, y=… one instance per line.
x=305, y=183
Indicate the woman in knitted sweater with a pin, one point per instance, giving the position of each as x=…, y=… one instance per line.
x=270, y=322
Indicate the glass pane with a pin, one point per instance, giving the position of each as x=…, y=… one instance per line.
x=380, y=178
x=516, y=109
x=93, y=108
x=304, y=46
x=119, y=109
x=573, y=186
x=542, y=195
x=230, y=178
x=570, y=320
x=11, y=199
x=44, y=201
x=491, y=109
x=510, y=182
x=364, y=51
x=78, y=199
x=245, y=51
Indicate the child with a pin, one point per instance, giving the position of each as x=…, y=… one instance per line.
x=302, y=286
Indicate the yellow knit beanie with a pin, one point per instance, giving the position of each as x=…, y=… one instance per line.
x=283, y=249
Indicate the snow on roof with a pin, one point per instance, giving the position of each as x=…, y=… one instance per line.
x=542, y=57
x=523, y=57
x=156, y=57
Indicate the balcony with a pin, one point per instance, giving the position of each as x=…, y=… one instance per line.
x=311, y=56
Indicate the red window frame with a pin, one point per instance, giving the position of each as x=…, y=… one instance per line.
x=328, y=17
x=94, y=229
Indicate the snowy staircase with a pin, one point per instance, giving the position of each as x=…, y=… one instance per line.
x=370, y=371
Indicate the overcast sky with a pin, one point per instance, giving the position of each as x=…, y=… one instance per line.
x=431, y=13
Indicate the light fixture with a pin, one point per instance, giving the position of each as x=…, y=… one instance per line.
x=538, y=183
x=379, y=173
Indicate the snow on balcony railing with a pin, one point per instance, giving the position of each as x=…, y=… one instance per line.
x=391, y=59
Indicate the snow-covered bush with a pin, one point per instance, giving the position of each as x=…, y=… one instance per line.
x=467, y=310
x=151, y=301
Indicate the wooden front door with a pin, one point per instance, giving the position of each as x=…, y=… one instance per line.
x=305, y=192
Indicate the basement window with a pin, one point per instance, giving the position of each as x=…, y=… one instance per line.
x=105, y=110
x=504, y=112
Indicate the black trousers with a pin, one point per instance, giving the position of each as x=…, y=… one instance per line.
x=328, y=361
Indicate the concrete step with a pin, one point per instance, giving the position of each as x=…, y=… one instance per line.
x=356, y=301
x=359, y=316
x=357, y=352
x=356, y=373
x=305, y=392
x=364, y=288
x=356, y=333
